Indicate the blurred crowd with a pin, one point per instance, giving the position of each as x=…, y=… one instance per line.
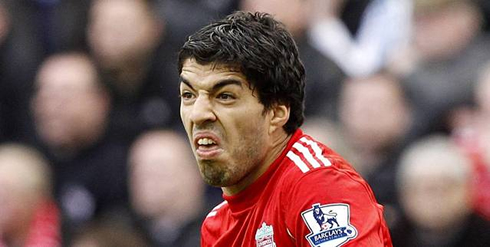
x=92, y=152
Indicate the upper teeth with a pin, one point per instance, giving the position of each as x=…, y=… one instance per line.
x=205, y=141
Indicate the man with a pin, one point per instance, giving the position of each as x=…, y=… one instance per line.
x=71, y=108
x=29, y=215
x=434, y=183
x=242, y=87
x=161, y=170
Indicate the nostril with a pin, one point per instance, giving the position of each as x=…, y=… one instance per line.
x=202, y=114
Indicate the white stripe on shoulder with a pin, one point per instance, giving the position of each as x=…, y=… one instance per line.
x=317, y=150
x=212, y=213
x=297, y=161
x=215, y=209
x=306, y=152
x=220, y=205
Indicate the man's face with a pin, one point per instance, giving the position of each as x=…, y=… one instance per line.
x=365, y=99
x=161, y=171
x=68, y=106
x=433, y=195
x=225, y=123
x=120, y=31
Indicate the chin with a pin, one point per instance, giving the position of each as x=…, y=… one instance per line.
x=216, y=179
x=215, y=182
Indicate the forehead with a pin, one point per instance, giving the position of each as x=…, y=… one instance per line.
x=114, y=8
x=158, y=145
x=204, y=75
x=374, y=85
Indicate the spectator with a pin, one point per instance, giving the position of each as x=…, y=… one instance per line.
x=109, y=231
x=29, y=216
x=434, y=185
x=36, y=28
x=63, y=120
x=323, y=77
x=127, y=39
x=447, y=51
x=166, y=190
x=376, y=115
x=384, y=28
x=71, y=108
x=331, y=133
x=474, y=138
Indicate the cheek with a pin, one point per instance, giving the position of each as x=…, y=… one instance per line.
x=252, y=140
x=184, y=117
x=248, y=137
x=249, y=120
x=246, y=130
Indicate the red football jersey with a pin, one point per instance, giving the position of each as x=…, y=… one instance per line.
x=309, y=196
x=44, y=230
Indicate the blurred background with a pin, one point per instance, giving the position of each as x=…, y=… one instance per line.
x=92, y=152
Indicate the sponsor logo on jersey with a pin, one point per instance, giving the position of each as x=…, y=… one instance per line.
x=329, y=225
x=265, y=236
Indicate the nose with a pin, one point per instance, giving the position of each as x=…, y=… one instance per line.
x=202, y=110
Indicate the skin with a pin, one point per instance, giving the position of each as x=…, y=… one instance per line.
x=24, y=185
x=121, y=32
x=218, y=103
x=435, y=181
x=162, y=170
x=377, y=97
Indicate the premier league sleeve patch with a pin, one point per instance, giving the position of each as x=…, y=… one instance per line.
x=329, y=225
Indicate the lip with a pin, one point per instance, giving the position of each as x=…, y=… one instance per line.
x=207, y=152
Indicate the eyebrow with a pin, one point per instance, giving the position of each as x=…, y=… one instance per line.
x=216, y=86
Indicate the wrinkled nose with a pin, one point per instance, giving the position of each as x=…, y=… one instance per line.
x=202, y=111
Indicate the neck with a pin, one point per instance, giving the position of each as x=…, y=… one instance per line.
x=129, y=77
x=277, y=146
x=440, y=237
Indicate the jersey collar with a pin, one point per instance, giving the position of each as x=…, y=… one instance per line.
x=246, y=199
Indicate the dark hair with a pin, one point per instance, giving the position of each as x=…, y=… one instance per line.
x=262, y=49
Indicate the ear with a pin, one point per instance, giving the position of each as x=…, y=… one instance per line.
x=279, y=117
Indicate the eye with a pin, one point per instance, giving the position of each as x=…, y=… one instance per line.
x=186, y=95
x=226, y=96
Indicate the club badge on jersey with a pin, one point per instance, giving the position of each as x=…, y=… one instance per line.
x=329, y=225
x=265, y=236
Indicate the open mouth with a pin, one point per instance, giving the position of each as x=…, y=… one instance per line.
x=207, y=146
x=206, y=142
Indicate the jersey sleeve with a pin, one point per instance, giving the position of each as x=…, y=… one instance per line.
x=329, y=206
x=215, y=221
